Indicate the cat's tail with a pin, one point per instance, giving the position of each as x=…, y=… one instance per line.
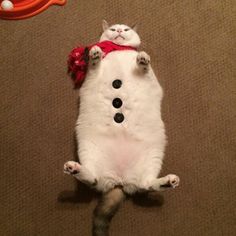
x=105, y=210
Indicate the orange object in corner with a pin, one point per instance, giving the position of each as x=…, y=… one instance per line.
x=27, y=8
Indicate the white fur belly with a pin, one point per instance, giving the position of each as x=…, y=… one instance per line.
x=116, y=148
x=117, y=155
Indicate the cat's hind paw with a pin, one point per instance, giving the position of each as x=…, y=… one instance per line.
x=71, y=168
x=143, y=60
x=95, y=55
x=173, y=181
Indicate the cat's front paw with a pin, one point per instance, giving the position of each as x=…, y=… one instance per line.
x=95, y=55
x=71, y=168
x=143, y=60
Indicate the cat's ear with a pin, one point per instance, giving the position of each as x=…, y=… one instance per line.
x=135, y=27
x=105, y=25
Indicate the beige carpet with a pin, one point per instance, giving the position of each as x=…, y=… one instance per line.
x=192, y=46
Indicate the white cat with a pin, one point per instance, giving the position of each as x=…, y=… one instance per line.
x=120, y=132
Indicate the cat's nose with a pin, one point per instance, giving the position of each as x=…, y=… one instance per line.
x=119, y=30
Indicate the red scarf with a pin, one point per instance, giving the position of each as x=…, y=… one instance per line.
x=79, y=58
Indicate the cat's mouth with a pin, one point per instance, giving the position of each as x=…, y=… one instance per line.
x=119, y=36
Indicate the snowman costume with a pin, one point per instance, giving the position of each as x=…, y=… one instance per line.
x=120, y=132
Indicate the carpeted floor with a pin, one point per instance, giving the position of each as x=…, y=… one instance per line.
x=191, y=44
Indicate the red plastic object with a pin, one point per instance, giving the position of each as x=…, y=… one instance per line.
x=27, y=8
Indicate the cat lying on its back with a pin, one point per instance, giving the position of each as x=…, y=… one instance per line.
x=120, y=132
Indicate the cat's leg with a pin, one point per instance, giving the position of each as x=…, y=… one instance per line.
x=143, y=61
x=150, y=183
x=79, y=172
x=166, y=182
x=95, y=56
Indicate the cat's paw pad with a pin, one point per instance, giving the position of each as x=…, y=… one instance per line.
x=71, y=168
x=95, y=54
x=173, y=180
x=143, y=59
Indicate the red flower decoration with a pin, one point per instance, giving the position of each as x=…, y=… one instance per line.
x=79, y=59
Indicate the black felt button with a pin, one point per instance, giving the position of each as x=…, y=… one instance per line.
x=117, y=102
x=119, y=117
x=116, y=83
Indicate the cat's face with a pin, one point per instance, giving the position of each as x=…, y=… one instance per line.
x=120, y=34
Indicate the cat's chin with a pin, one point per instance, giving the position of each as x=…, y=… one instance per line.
x=120, y=41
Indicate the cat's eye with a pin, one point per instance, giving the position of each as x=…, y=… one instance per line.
x=112, y=29
x=127, y=29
